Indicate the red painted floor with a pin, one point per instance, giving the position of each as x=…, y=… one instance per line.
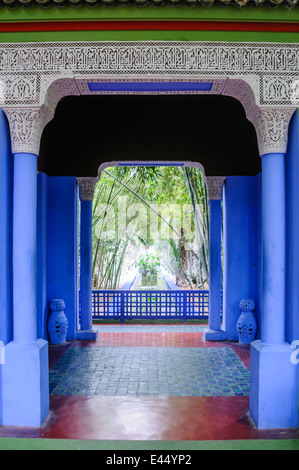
x=149, y=418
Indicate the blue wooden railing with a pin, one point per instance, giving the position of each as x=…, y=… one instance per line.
x=150, y=304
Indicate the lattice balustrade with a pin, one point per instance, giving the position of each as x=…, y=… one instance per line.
x=133, y=304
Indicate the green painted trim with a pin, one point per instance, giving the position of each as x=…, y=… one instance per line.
x=226, y=36
x=114, y=446
x=97, y=12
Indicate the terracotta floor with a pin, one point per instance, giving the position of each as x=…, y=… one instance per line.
x=157, y=418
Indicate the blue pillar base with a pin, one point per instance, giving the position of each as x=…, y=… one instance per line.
x=89, y=335
x=25, y=376
x=214, y=335
x=273, y=386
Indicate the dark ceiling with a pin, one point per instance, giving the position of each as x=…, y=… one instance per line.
x=89, y=130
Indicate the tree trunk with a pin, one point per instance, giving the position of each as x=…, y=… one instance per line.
x=183, y=265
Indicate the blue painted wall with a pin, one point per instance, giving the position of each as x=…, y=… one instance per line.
x=77, y=253
x=240, y=248
x=42, y=304
x=6, y=198
x=6, y=205
x=292, y=231
x=259, y=252
x=62, y=246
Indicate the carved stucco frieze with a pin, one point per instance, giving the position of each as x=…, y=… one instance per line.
x=215, y=187
x=86, y=187
x=27, y=70
x=35, y=76
x=271, y=125
x=26, y=127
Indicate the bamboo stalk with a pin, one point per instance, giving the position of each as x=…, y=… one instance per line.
x=151, y=208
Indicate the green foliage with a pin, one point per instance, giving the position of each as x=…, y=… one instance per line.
x=127, y=201
x=148, y=264
x=199, y=200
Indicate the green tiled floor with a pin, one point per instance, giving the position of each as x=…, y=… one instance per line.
x=135, y=446
x=146, y=371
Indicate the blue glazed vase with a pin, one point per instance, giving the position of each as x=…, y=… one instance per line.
x=57, y=323
x=246, y=325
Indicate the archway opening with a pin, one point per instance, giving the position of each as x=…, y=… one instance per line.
x=90, y=130
x=150, y=235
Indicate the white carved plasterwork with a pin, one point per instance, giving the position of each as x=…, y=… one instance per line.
x=215, y=187
x=278, y=89
x=54, y=90
x=38, y=75
x=19, y=89
x=271, y=126
x=86, y=187
x=26, y=127
x=25, y=68
x=247, y=92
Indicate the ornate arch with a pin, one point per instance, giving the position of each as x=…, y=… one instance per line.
x=262, y=76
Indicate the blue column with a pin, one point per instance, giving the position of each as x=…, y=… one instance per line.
x=86, y=332
x=274, y=249
x=292, y=231
x=25, y=372
x=86, y=265
x=214, y=332
x=25, y=248
x=274, y=379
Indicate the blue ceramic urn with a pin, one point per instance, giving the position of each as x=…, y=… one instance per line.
x=57, y=323
x=246, y=325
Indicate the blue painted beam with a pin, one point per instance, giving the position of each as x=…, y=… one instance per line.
x=150, y=164
x=148, y=86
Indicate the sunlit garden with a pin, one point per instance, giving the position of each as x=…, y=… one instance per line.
x=150, y=224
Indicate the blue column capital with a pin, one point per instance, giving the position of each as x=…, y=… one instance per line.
x=86, y=187
x=271, y=125
x=26, y=127
x=215, y=187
